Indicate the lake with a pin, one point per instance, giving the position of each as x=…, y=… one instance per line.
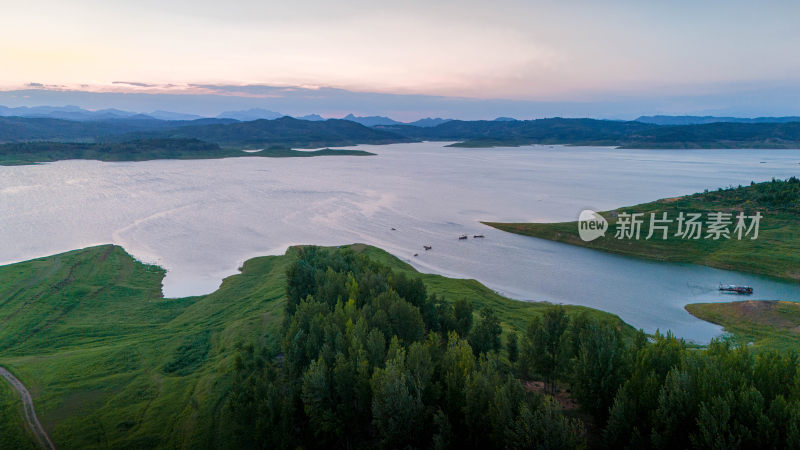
x=201, y=219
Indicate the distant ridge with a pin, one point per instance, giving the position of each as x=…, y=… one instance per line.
x=699, y=120
x=371, y=121
x=491, y=133
x=429, y=122
x=78, y=114
x=314, y=117
x=251, y=114
x=286, y=131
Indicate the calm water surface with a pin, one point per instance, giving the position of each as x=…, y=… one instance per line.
x=201, y=219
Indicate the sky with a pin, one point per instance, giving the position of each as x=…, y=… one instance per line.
x=674, y=56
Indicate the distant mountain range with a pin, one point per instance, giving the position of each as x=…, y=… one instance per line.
x=251, y=114
x=79, y=114
x=697, y=120
x=313, y=132
x=378, y=121
x=76, y=113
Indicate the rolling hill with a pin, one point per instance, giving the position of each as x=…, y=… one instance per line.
x=111, y=363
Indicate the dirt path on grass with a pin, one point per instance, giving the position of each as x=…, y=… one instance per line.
x=30, y=413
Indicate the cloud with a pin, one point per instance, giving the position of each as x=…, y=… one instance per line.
x=53, y=87
x=134, y=83
x=253, y=90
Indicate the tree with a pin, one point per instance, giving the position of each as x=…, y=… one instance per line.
x=543, y=347
x=512, y=347
x=732, y=420
x=677, y=411
x=318, y=402
x=541, y=426
x=598, y=370
x=462, y=315
x=396, y=408
x=485, y=336
x=458, y=364
x=411, y=289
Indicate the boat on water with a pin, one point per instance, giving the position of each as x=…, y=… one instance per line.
x=427, y=247
x=478, y=236
x=463, y=236
x=735, y=288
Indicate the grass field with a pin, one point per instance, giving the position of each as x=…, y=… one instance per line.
x=759, y=323
x=111, y=363
x=775, y=253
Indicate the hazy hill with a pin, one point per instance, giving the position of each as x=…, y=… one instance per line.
x=79, y=114
x=429, y=122
x=607, y=132
x=284, y=131
x=696, y=120
x=314, y=117
x=251, y=114
x=371, y=121
x=291, y=132
x=521, y=132
x=21, y=129
x=718, y=135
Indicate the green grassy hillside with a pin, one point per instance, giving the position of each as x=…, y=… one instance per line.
x=760, y=323
x=775, y=253
x=111, y=363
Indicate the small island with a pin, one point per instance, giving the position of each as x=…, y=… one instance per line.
x=24, y=153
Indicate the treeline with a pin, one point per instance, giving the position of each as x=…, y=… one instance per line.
x=775, y=194
x=368, y=358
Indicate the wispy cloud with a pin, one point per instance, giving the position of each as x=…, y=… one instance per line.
x=134, y=83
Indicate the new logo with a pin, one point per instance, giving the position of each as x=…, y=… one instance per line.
x=591, y=225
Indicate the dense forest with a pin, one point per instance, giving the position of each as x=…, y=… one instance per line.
x=367, y=358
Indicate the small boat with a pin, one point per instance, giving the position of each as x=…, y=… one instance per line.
x=463, y=236
x=394, y=229
x=416, y=254
x=478, y=236
x=735, y=288
x=427, y=247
